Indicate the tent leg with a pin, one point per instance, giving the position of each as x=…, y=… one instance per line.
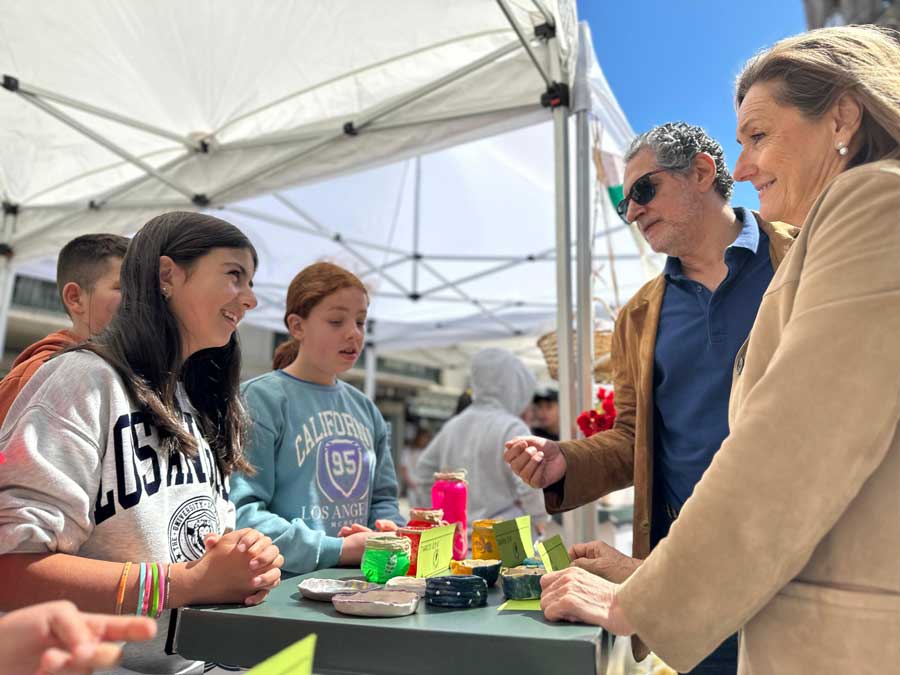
x=7, y=283
x=567, y=399
x=580, y=524
x=371, y=366
x=586, y=517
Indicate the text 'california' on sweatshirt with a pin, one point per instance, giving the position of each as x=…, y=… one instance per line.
x=323, y=460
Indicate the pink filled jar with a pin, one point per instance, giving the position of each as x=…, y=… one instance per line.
x=450, y=492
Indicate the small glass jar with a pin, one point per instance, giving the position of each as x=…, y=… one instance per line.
x=450, y=493
x=419, y=517
x=484, y=543
x=414, y=534
x=385, y=557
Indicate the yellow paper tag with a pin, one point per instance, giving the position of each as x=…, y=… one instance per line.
x=521, y=605
x=294, y=660
x=435, y=551
x=554, y=554
x=514, y=540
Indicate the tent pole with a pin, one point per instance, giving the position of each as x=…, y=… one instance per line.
x=293, y=137
x=371, y=362
x=563, y=261
x=337, y=238
x=548, y=16
x=585, y=519
x=417, y=213
x=318, y=231
x=109, y=145
x=352, y=128
x=31, y=90
x=477, y=303
x=7, y=282
x=524, y=40
x=547, y=254
x=574, y=522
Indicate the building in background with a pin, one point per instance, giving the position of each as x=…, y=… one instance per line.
x=822, y=13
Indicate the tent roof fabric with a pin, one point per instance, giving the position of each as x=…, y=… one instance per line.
x=148, y=107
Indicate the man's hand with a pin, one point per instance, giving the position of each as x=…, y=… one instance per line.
x=578, y=596
x=603, y=560
x=537, y=461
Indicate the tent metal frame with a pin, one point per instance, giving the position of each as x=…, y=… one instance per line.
x=575, y=392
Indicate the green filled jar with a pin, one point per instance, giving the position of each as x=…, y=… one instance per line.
x=386, y=556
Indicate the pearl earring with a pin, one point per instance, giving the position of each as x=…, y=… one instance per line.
x=841, y=149
x=165, y=292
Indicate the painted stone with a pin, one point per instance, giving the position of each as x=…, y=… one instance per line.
x=522, y=583
x=489, y=570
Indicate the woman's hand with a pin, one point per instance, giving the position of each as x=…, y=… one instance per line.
x=240, y=566
x=54, y=637
x=579, y=596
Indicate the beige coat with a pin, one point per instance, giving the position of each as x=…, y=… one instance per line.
x=623, y=456
x=793, y=533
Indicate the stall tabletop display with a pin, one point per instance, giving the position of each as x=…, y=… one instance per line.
x=464, y=613
x=435, y=640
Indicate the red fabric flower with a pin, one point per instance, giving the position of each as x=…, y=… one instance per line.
x=601, y=418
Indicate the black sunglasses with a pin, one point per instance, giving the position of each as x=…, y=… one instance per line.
x=642, y=193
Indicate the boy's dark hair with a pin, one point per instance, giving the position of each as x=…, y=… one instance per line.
x=84, y=259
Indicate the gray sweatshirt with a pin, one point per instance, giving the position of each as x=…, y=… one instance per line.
x=83, y=476
x=502, y=387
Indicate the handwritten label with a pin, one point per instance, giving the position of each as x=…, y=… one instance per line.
x=295, y=660
x=435, y=551
x=514, y=540
x=554, y=554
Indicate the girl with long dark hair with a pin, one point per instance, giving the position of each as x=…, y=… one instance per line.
x=115, y=489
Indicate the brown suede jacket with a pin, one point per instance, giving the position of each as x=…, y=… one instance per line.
x=623, y=456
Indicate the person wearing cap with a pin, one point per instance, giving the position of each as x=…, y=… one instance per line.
x=546, y=408
x=673, y=350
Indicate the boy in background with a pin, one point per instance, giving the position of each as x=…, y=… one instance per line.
x=87, y=276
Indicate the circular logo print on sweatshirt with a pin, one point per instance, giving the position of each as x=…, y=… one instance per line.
x=190, y=523
x=342, y=469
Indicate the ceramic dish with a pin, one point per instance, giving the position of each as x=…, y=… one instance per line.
x=412, y=584
x=325, y=589
x=377, y=603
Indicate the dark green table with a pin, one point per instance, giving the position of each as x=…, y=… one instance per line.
x=433, y=640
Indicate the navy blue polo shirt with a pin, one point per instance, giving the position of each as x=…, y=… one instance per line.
x=699, y=335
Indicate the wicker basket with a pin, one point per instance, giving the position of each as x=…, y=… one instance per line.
x=602, y=361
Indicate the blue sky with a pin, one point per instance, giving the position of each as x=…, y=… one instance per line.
x=672, y=60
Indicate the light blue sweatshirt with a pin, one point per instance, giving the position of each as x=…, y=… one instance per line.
x=322, y=455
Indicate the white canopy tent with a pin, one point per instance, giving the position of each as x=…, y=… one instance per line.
x=117, y=111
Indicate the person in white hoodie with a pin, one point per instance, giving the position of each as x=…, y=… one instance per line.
x=502, y=388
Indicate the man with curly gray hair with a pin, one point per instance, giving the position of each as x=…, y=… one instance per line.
x=674, y=346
